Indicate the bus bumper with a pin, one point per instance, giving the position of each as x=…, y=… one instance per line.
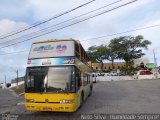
x=50, y=107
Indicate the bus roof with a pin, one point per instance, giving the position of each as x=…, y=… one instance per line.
x=64, y=39
x=55, y=40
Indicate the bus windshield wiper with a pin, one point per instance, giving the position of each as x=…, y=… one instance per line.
x=60, y=89
x=57, y=89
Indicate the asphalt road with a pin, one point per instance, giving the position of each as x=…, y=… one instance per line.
x=8, y=100
x=108, y=97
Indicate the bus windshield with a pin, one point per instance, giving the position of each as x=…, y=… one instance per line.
x=50, y=79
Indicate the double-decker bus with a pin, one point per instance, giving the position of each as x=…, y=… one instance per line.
x=58, y=76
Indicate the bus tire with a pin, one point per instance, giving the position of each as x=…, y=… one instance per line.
x=90, y=92
x=81, y=99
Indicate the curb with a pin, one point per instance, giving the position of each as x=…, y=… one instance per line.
x=21, y=94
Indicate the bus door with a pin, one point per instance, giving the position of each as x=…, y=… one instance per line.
x=78, y=86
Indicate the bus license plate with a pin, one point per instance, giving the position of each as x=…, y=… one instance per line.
x=47, y=109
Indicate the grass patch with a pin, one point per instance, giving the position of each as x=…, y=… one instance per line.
x=19, y=90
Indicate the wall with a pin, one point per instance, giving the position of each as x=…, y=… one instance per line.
x=107, y=66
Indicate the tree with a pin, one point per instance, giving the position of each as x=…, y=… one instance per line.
x=93, y=54
x=101, y=53
x=96, y=54
x=129, y=47
x=111, y=54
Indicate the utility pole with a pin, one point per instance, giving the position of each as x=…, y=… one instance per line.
x=17, y=78
x=5, y=80
x=155, y=60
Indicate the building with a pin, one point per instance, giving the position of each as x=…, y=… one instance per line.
x=138, y=61
x=107, y=66
x=20, y=79
x=118, y=65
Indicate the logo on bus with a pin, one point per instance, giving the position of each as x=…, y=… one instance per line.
x=46, y=62
x=61, y=48
x=43, y=48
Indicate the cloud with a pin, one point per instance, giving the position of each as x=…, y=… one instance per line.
x=8, y=26
x=23, y=13
x=100, y=25
x=151, y=34
x=44, y=9
x=15, y=10
x=14, y=61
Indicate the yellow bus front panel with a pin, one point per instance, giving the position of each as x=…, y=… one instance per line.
x=62, y=102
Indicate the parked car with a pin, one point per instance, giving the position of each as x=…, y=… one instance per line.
x=8, y=85
x=121, y=74
x=97, y=74
x=101, y=74
x=114, y=73
x=144, y=74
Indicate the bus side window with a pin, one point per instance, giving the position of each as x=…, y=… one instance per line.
x=85, y=77
x=79, y=79
x=88, y=79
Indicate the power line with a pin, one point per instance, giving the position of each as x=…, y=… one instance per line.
x=44, y=29
x=71, y=24
x=81, y=40
x=100, y=36
x=39, y=23
x=143, y=28
x=15, y=52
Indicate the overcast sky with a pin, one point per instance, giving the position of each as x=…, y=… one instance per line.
x=16, y=14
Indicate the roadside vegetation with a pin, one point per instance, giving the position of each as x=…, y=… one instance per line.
x=125, y=48
x=18, y=90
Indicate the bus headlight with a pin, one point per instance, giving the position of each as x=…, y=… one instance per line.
x=30, y=100
x=65, y=101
